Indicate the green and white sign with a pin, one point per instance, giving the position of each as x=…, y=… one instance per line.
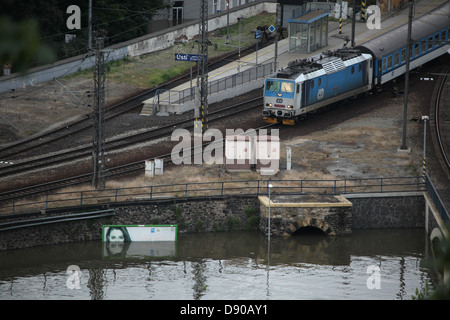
x=131, y=233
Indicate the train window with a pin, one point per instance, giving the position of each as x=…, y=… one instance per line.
x=287, y=86
x=430, y=43
x=353, y=69
x=384, y=64
x=319, y=81
x=389, y=62
x=423, y=46
x=359, y=67
x=443, y=35
x=312, y=83
x=403, y=58
x=273, y=85
x=298, y=87
x=396, y=57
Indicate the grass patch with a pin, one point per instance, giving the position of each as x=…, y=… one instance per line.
x=149, y=70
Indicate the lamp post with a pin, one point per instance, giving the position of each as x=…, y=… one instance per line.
x=408, y=58
x=268, y=233
x=228, y=22
x=424, y=118
x=269, y=186
x=239, y=50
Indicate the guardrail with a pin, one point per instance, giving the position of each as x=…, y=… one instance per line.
x=436, y=199
x=216, y=188
x=48, y=220
x=168, y=96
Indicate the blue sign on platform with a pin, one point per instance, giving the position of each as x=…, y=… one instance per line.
x=188, y=57
x=258, y=34
x=272, y=28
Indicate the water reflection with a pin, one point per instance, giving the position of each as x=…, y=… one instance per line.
x=222, y=266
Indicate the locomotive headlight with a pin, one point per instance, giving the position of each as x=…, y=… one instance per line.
x=289, y=107
x=268, y=104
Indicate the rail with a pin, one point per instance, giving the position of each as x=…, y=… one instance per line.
x=214, y=188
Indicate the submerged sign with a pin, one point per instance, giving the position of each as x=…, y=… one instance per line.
x=131, y=233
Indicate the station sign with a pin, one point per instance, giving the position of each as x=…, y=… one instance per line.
x=189, y=57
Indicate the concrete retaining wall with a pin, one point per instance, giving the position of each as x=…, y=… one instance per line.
x=212, y=214
x=331, y=214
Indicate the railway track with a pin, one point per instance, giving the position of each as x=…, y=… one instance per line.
x=84, y=154
x=15, y=150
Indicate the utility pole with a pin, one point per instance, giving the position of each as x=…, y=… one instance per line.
x=353, y=23
x=203, y=69
x=98, y=151
x=90, y=26
x=228, y=22
x=279, y=23
x=408, y=58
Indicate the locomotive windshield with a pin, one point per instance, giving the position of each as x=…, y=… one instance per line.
x=277, y=85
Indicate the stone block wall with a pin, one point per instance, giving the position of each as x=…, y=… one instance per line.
x=194, y=215
x=216, y=214
x=388, y=211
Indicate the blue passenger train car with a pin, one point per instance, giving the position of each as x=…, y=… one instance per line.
x=430, y=35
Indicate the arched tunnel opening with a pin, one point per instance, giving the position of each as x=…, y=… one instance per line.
x=309, y=230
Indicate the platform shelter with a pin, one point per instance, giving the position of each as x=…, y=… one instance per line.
x=308, y=32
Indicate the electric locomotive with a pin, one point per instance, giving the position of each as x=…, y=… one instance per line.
x=309, y=84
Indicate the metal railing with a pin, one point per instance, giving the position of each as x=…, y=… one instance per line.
x=168, y=96
x=436, y=199
x=216, y=188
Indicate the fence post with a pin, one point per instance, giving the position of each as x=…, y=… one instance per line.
x=381, y=185
x=81, y=198
x=115, y=198
x=221, y=191
x=186, y=190
x=46, y=201
x=334, y=186
x=257, y=190
x=301, y=186
x=151, y=192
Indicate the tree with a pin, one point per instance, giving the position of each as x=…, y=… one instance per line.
x=123, y=20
